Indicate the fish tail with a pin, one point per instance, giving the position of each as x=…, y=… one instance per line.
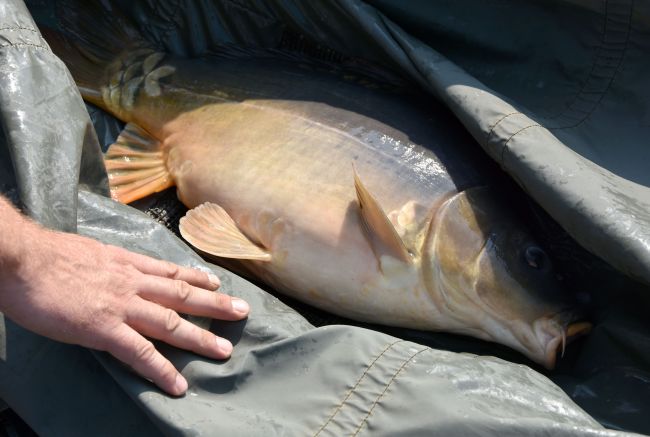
x=136, y=165
x=94, y=38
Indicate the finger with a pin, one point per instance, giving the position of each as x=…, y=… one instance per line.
x=165, y=269
x=165, y=324
x=185, y=298
x=141, y=355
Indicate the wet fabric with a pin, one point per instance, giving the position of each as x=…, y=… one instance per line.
x=286, y=376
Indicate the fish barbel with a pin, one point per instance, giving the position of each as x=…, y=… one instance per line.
x=345, y=197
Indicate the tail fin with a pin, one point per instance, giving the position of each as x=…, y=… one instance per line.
x=95, y=37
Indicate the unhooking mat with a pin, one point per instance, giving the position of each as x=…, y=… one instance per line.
x=553, y=91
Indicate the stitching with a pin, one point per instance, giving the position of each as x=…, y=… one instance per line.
x=505, y=145
x=365, y=419
x=19, y=28
x=23, y=44
x=604, y=53
x=487, y=138
x=351, y=391
x=593, y=66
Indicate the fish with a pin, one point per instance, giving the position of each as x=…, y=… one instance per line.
x=343, y=195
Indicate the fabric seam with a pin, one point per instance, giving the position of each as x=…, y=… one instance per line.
x=392, y=379
x=356, y=385
x=23, y=44
x=619, y=54
x=505, y=145
x=489, y=134
x=19, y=28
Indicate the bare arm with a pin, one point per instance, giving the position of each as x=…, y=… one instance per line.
x=77, y=290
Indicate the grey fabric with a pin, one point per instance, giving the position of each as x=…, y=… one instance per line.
x=26, y=55
x=285, y=377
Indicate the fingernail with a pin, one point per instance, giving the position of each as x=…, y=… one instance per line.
x=214, y=280
x=224, y=346
x=180, y=385
x=240, y=305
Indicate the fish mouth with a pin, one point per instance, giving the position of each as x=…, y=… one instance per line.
x=558, y=337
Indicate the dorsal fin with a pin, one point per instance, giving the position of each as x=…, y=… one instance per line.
x=380, y=231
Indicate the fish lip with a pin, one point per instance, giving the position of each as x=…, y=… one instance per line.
x=560, y=334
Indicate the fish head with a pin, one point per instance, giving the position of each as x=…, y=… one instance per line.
x=485, y=270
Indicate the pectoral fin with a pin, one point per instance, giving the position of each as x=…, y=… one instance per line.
x=383, y=237
x=135, y=165
x=209, y=228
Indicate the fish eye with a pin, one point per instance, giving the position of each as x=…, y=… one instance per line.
x=535, y=257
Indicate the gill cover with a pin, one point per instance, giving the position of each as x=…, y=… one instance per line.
x=456, y=235
x=484, y=270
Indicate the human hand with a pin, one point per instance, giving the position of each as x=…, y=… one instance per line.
x=77, y=290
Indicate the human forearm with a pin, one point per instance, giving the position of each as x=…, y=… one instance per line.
x=15, y=228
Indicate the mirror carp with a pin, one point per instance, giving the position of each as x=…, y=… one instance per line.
x=332, y=191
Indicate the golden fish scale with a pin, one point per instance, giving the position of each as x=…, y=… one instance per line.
x=269, y=154
x=267, y=157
